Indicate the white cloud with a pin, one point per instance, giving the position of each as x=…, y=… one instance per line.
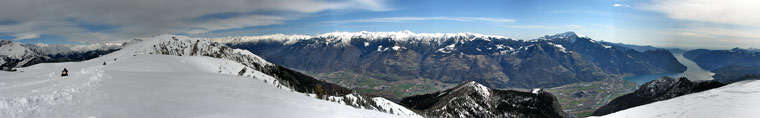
x=735, y=12
x=619, y=5
x=23, y=36
x=563, y=27
x=139, y=18
x=410, y=19
x=530, y=27
x=711, y=23
x=238, y=22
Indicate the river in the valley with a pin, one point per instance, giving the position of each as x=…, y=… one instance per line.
x=693, y=72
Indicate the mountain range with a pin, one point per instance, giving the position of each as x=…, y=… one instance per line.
x=728, y=65
x=14, y=55
x=714, y=59
x=158, y=70
x=386, y=62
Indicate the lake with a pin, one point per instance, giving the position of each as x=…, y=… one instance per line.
x=693, y=72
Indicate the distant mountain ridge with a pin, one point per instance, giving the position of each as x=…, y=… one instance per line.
x=14, y=55
x=735, y=73
x=714, y=59
x=494, y=61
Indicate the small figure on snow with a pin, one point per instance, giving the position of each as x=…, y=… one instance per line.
x=64, y=72
x=104, y=63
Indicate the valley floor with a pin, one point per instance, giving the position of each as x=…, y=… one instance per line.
x=155, y=86
x=582, y=99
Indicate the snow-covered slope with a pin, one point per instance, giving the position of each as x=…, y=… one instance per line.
x=197, y=81
x=736, y=100
x=156, y=86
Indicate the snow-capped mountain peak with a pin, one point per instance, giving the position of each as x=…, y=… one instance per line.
x=569, y=36
x=186, y=46
x=403, y=36
x=344, y=38
x=14, y=50
x=474, y=86
x=471, y=99
x=287, y=39
x=13, y=55
x=56, y=49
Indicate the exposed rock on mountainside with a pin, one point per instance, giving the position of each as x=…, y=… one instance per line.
x=473, y=100
x=656, y=90
x=454, y=58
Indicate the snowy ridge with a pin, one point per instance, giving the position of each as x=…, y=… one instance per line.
x=14, y=54
x=477, y=87
x=344, y=38
x=471, y=99
x=737, y=100
x=393, y=108
x=560, y=47
x=185, y=46
x=53, y=49
x=376, y=103
x=403, y=36
x=14, y=50
x=251, y=66
x=287, y=39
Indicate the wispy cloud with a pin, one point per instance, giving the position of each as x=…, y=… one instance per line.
x=717, y=22
x=126, y=19
x=530, y=27
x=411, y=19
x=23, y=36
x=736, y=12
x=619, y=5
x=566, y=27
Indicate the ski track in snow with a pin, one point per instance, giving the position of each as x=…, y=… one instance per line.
x=45, y=96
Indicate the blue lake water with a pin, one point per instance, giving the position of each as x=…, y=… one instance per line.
x=693, y=72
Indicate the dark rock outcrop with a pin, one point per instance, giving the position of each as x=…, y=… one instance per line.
x=473, y=100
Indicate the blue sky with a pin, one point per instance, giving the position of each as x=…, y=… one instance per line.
x=665, y=23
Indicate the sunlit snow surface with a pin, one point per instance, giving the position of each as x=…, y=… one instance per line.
x=736, y=100
x=156, y=86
